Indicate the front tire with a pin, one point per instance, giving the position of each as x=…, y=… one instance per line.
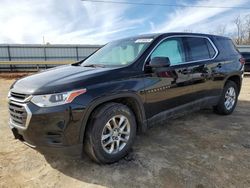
x=111, y=133
x=228, y=99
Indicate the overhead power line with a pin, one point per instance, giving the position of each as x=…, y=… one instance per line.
x=165, y=5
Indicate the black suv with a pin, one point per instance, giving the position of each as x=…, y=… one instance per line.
x=99, y=104
x=246, y=56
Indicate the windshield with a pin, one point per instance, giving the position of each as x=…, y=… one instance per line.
x=118, y=53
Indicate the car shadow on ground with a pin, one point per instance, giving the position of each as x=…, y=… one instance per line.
x=200, y=149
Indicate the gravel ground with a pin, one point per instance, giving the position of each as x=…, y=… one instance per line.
x=201, y=149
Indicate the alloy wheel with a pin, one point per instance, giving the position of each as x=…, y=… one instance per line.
x=230, y=98
x=115, y=134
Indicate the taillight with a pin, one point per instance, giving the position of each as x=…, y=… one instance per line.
x=242, y=60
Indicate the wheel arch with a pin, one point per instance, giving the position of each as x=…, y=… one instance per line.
x=131, y=100
x=236, y=79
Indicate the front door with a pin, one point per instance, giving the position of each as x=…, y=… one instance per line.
x=173, y=86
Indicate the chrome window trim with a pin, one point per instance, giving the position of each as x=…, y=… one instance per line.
x=29, y=115
x=181, y=36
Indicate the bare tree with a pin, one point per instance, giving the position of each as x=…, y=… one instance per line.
x=220, y=30
x=240, y=31
x=247, y=28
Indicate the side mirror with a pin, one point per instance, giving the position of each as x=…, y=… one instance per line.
x=159, y=62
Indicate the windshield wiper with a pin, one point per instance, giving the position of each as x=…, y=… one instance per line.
x=94, y=65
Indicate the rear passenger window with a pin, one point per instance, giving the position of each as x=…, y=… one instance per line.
x=198, y=48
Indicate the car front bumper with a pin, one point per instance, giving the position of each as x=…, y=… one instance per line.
x=50, y=130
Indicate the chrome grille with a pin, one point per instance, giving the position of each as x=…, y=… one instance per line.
x=18, y=97
x=18, y=114
x=18, y=109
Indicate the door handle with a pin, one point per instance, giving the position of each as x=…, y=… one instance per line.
x=219, y=65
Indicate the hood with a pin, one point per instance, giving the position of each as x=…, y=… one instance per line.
x=59, y=79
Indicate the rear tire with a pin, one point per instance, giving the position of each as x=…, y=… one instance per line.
x=111, y=133
x=228, y=99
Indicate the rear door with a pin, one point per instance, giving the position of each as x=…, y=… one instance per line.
x=201, y=54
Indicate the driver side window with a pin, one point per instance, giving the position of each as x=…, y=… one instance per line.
x=171, y=48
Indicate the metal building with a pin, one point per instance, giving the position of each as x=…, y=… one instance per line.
x=30, y=56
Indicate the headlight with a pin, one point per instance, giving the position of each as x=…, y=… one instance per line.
x=57, y=98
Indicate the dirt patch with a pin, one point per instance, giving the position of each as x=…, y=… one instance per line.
x=14, y=75
x=201, y=149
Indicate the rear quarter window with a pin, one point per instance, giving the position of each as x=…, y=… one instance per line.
x=227, y=46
